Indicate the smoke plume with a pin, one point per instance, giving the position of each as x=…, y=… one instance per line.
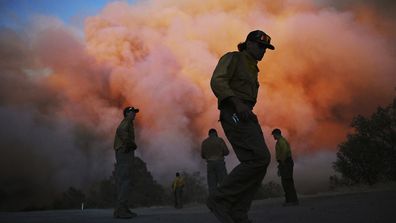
x=61, y=96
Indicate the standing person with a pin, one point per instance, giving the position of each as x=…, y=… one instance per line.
x=214, y=149
x=177, y=187
x=124, y=146
x=285, y=167
x=235, y=84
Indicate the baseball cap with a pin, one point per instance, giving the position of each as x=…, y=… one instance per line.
x=260, y=37
x=129, y=109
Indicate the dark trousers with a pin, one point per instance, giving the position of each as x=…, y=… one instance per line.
x=123, y=175
x=286, y=172
x=216, y=171
x=178, y=193
x=237, y=190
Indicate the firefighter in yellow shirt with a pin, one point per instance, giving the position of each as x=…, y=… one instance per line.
x=213, y=150
x=177, y=187
x=235, y=84
x=285, y=167
x=124, y=147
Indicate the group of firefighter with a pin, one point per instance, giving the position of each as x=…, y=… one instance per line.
x=235, y=84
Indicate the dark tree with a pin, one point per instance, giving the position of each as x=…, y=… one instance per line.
x=195, y=190
x=369, y=154
x=145, y=191
x=102, y=194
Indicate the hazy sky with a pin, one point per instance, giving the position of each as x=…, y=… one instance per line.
x=17, y=12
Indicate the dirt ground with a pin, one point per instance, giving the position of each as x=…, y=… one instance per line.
x=370, y=207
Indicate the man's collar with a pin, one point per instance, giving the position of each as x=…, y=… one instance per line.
x=249, y=57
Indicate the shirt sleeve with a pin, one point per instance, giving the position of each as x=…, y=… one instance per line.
x=222, y=76
x=174, y=185
x=225, y=149
x=202, y=150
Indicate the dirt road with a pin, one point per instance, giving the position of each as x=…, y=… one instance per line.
x=370, y=207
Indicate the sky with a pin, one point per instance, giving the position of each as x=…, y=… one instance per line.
x=14, y=12
x=67, y=69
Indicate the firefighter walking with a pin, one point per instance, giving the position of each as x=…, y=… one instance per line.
x=235, y=84
x=213, y=150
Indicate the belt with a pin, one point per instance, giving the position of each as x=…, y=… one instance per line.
x=227, y=105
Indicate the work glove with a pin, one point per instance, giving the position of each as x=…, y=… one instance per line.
x=133, y=146
x=243, y=112
x=130, y=146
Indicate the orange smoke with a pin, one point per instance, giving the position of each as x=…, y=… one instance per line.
x=159, y=56
x=323, y=72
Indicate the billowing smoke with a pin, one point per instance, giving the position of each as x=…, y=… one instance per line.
x=49, y=139
x=61, y=95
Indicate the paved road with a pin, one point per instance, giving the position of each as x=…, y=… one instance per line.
x=370, y=207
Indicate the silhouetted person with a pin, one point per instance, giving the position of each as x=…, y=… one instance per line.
x=235, y=84
x=213, y=150
x=177, y=187
x=124, y=146
x=285, y=167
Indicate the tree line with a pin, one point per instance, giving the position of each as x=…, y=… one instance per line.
x=145, y=191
